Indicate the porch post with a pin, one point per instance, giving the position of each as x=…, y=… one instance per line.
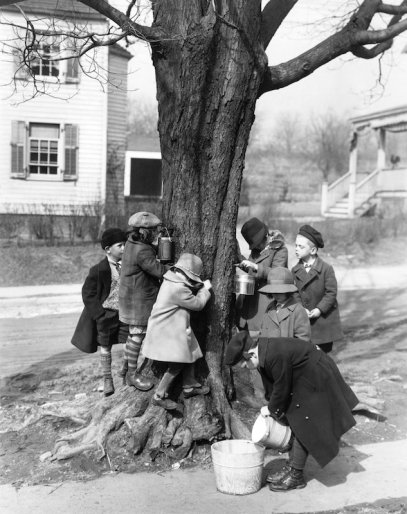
x=353, y=164
x=324, y=198
x=381, y=151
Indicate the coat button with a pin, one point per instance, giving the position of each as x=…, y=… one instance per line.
x=306, y=417
x=297, y=405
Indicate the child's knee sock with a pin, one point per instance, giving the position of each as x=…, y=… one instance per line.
x=133, y=347
x=167, y=379
x=106, y=361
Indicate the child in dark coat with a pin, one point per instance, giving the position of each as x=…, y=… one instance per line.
x=317, y=288
x=99, y=322
x=305, y=389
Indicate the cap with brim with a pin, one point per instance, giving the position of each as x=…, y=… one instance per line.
x=278, y=288
x=279, y=280
x=238, y=345
x=191, y=265
x=254, y=231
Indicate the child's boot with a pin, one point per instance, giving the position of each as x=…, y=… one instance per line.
x=106, y=362
x=133, y=347
x=123, y=371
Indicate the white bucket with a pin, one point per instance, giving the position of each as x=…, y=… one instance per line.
x=238, y=466
x=270, y=433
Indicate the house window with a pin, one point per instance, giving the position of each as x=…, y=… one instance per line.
x=44, y=151
x=42, y=64
x=143, y=175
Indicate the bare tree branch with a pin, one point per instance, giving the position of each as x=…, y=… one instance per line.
x=272, y=16
x=350, y=38
x=393, y=9
x=128, y=26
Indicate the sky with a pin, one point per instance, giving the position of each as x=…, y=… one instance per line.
x=346, y=85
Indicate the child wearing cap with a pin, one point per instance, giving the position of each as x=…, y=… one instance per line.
x=169, y=335
x=99, y=322
x=140, y=280
x=268, y=250
x=284, y=316
x=317, y=287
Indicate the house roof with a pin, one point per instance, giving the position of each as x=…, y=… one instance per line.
x=64, y=9
x=137, y=143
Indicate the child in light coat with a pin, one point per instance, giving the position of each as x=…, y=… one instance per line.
x=169, y=336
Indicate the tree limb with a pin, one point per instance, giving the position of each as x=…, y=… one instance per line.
x=128, y=26
x=272, y=16
x=351, y=38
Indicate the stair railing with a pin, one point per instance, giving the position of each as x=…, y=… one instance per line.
x=332, y=193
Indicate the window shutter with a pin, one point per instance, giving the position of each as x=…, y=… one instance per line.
x=71, y=151
x=18, y=149
x=72, y=70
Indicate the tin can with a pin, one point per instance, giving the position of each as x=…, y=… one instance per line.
x=165, y=249
x=244, y=284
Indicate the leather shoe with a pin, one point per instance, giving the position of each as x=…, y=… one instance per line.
x=195, y=391
x=139, y=382
x=294, y=479
x=275, y=478
x=165, y=403
x=108, y=387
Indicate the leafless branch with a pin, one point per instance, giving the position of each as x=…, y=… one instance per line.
x=128, y=26
x=351, y=38
x=272, y=16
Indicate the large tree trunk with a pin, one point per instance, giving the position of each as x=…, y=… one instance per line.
x=208, y=78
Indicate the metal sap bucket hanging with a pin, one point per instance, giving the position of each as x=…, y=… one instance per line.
x=244, y=284
x=166, y=248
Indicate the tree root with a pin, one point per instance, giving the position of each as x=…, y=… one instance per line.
x=107, y=416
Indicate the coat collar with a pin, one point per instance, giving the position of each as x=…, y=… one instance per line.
x=283, y=313
x=304, y=277
x=270, y=249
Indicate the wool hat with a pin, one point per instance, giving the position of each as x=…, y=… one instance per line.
x=254, y=231
x=279, y=280
x=240, y=343
x=312, y=235
x=144, y=220
x=112, y=236
x=191, y=265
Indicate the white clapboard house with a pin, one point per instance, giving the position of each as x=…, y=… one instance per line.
x=64, y=147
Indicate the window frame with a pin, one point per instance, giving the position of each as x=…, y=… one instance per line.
x=139, y=154
x=21, y=150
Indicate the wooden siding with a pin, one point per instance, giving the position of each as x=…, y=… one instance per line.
x=83, y=104
x=116, y=130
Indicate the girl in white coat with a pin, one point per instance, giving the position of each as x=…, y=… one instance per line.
x=169, y=335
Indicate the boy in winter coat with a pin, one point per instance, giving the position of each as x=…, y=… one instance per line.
x=268, y=250
x=139, y=284
x=284, y=316
x=317, y=288
x=169, y=335
x=305, y=389
x=99, y=322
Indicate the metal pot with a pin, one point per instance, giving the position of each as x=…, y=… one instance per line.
x=244, y=284
x=165, y=249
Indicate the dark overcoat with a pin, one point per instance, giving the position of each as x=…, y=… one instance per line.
x=95, y=290
x=140, y=279
x=250, y=309
x=304, y=384
x=318, y=289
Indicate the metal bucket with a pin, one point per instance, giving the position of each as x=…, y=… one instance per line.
x=270, y=433
x=165, y=249
x=244, y=284
x=238, y=466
